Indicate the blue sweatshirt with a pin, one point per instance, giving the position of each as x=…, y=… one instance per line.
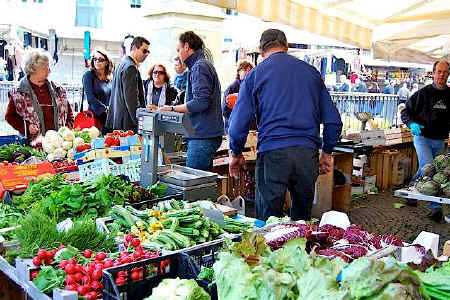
x=290, y=102
x=203, y=98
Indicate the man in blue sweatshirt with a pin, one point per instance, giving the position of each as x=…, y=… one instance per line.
x=290, y=102
x=202, y=102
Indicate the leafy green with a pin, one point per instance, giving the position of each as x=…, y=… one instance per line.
x=206, y=274
x=436, y=282
x=49, y=278
x=252, y=246
x=18, y=153
x=158, y=190
x=178, y=289
x=10, y=216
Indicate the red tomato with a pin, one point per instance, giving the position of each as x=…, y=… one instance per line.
x=135, y=276
x=116, y=132
x=130, y=133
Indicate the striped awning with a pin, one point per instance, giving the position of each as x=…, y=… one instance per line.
x=302, y=17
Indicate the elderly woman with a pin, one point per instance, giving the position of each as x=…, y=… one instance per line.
x=36, y=104
x=158, y=91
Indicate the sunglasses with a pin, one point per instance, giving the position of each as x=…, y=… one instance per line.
x=159, y=73
x=145, y=51
x=98, y=59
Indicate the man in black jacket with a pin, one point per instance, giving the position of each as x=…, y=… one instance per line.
x=127, y=92
x=427, y=114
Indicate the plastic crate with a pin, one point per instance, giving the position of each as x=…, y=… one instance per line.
x=138, y=205
x=177, y=265
x=90, y=171
x=13, y=139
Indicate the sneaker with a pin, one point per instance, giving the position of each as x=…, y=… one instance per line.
x=437, y=215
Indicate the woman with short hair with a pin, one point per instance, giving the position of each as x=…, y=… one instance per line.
x=37, y=104
x=157, y=88
x=97, y=84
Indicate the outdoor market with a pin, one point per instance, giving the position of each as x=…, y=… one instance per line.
x=224, y=149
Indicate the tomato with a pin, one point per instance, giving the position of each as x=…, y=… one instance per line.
x=36, y=261
x=42, y=254
x=116, y=141
x=70, y=269
x=87, y=253
x=129, y=237
x=34, y=274
x=109, y=140
x=123, y=134
x=130, y=133
x=116, y=132
x=100, y=256
x=121, y=280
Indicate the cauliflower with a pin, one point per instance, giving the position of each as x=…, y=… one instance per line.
x=77, y=141
x=66, y=145
x=50, y=157
x=93, y=132
x=48, y=146
x=56, y=141
x=66, y=134
x=51, y=133
x=59, y=153
x=70, y=154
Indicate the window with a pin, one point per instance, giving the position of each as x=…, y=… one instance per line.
x=136, y=3
x=89, y=13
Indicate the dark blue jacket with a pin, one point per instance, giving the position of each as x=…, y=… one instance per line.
x=290, y=101
x=97, y=93
x=203, y=98
x=226, y=112
x=180, y=81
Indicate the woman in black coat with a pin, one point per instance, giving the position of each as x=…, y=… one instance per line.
x=157, y=88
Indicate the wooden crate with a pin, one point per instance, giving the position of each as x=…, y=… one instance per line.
x=396, y=136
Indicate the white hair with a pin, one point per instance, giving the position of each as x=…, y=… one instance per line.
x=34, y=60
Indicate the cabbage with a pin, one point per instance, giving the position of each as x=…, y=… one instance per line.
x=48, y=146
x=178, y=289
x=77, y=141
x=66, y=145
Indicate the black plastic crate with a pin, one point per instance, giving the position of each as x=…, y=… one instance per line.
x=138, y=205
x=205, y=255
x=154, y=271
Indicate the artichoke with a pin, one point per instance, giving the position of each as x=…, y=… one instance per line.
x=441, y=162
x=440, y=178
x=446, y=189
x=447, y=171
x=429, y=170
x=430, y=188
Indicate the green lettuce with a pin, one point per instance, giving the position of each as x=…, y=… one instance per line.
x=178, y=289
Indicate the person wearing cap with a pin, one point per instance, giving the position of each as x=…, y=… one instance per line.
x=289, y=111
x=427, y=114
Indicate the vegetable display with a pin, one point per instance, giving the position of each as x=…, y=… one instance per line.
x=435, y=180
x=18, y=153
x=436, y=282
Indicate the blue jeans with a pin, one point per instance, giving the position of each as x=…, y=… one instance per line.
x=200, y=153
x=294, y=169
x=427, y=149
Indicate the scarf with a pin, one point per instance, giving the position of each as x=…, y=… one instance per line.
x=162, y=96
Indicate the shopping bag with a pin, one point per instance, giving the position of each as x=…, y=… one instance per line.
x=86, y=119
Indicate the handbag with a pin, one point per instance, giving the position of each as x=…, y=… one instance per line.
x=86, y=119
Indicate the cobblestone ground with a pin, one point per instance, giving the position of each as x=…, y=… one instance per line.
x=377, y=214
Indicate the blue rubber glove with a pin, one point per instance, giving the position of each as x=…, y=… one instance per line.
x=415, y=128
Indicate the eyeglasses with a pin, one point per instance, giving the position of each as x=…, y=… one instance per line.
x=95, y=59
x=159, y=73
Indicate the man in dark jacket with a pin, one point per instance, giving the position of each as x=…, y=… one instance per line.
x=289, y=110
x=202, y=102
x=127, y=92
x=427, y=114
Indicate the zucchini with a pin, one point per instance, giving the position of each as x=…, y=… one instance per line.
x=123, y=216
x=188, y=231
x=200, y=240
x=181, y=240
x=184, y=212
x=169, y=244
x=153, y=245
x=175, y=224
x=233, y=228
x=138, y=213
x=185, y=219
x=204, y=232
x=195, y=225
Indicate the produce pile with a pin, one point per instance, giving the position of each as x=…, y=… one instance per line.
x=64, y=142
x=435, y=180
x=18, y=153
x=291, y=273
x=331, y=241
x=10, y=217
x=178, y=289
x=172, y=229
x=436, y=282
x=82, y=271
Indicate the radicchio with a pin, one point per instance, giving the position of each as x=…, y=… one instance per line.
x=276, y=239
x=331, y=254
x=355, y=235
x=381, y=241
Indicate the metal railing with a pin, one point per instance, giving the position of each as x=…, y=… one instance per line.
x=382, y=107
x=74, y=95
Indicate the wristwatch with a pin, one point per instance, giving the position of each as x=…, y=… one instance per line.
x=171, y=108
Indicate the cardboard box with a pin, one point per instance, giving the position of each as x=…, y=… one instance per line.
x=447, y=249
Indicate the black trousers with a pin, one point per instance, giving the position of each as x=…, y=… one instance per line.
x=294, y=169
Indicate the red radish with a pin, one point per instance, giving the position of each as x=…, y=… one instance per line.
x=122, y=274
x=135, y=276
x=36, y=261
x=135, y=242
x=72, y=261
x=136, y=255
x=108, y=263
x=78, y=268
x=70, y=279
x=100, y=256
x=70, y=269
x=48, y=260
x=139, y=248
x=121, y=281
x=71, y=287
x=42, y=254
x=96, y=285
x=51, y=254
x=61, y=247
x=91, y=264
x=34, y=274
x=82, y=290
x=78, y=277
x=63, y=264
x=127, y=260
x=87, y=253
x=97, y=274
x=86, y=279
x=129, y=237
x=91, y=295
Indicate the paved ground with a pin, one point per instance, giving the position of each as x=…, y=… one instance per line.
x=377, y=214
